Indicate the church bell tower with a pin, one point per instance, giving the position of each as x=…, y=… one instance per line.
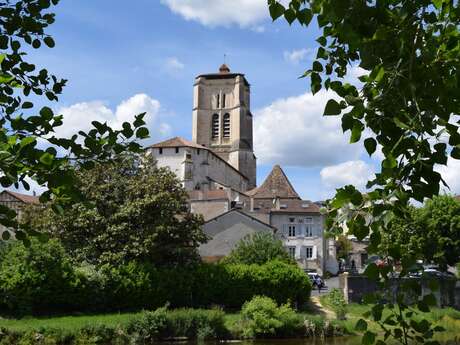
x=222, y=120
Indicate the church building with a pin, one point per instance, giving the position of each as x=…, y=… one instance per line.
x=218, y=170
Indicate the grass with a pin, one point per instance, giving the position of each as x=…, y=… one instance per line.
x=66, y=323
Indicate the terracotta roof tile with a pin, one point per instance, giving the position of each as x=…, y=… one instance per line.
x=25, y=198
x=178, y=142
x=296, y=206
x=276, y=185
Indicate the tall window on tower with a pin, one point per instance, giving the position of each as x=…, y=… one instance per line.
x=218, y=101
x=215, y=126
x=226, y=126
x=223, y=100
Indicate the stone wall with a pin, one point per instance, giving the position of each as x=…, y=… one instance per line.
x=355, y=287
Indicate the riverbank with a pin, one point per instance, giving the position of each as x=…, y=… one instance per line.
x=182, y=324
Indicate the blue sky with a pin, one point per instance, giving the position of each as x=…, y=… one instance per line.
x=126, y=57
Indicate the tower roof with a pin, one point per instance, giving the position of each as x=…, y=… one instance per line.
x=276, y=185
x=224, y=69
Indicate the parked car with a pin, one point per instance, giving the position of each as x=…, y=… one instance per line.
x=316, y=280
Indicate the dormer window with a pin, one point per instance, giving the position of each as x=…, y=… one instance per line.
x=215, y=126
x=226, y=127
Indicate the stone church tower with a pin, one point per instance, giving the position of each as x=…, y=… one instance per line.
x=222, y=120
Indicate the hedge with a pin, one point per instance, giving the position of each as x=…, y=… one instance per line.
x=41, y=280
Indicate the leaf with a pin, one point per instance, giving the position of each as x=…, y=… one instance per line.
x=290, y=16
x=304, y=16
x=36, y=43
x=361, y=325
x=438, y=3
x=372, y=271
x=27, y=141
x=356, y=132
x=368, y=338
x=142, y=133
x=46, y=113
x=46, y=158
x=49, y=41
x=317, y=67
x=332, y=108
x=276, y=10
x=389, y=162
x=6, y=235
x=27, y=105
x=371, y=145
x=455, y=153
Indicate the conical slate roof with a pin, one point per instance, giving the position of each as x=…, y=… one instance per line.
x=276, y=185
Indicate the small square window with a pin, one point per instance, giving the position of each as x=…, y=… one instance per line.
x=291, y=251
x=291, y=220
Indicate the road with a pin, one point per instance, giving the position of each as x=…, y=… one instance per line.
x=330, y=284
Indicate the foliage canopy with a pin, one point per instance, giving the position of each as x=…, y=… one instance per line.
x=29, y=148
x=138, y=212
x=258, y=248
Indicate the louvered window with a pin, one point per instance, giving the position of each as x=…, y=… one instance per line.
x=215, y=126
x=226, y=126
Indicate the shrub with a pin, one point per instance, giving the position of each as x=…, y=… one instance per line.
x=41, y=280
x=38, y=277
x=335, y=300
x=258, y=248
x=263, y=317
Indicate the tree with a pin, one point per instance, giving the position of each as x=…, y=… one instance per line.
x=138, y=212
x=344, y=247
x=258, y=248
x=29, y=149
x=407, y=107
x=432, y=234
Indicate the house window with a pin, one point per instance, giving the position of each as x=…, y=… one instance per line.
x=198, y=151
x=291, y=251
x=309, y=220
x=308, y=230
x=226, y=126
x=223, y=100
x=188, y=156
x=177, y=150
x=160, y=150
x=215, y=126
x=291, y=230
x=309, y=252
x=291, y=220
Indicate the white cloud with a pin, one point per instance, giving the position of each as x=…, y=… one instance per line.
x=258, y=28
x=451, y=174
x=79, y=116
x=245, y=13
x=294, y=132
x=174, y=65
x=295, y=56
x=356, y=173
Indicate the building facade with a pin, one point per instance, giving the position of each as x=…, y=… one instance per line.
x=17, y=202
x=218, y=169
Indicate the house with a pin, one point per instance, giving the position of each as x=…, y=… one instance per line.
x=226, y=230
x=299, y=223
x=17, y=202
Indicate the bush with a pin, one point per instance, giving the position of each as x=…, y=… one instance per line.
x=41, y=280
x=38, y=277
x=258, y=248
x=335, y=300
x=262, y=317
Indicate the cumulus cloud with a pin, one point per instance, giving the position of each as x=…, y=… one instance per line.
x=245, y=13
x=297, y=55
x=293, y=132
x=355, y=172
x=451, y=174
x=173, y=65
x=79, y=116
